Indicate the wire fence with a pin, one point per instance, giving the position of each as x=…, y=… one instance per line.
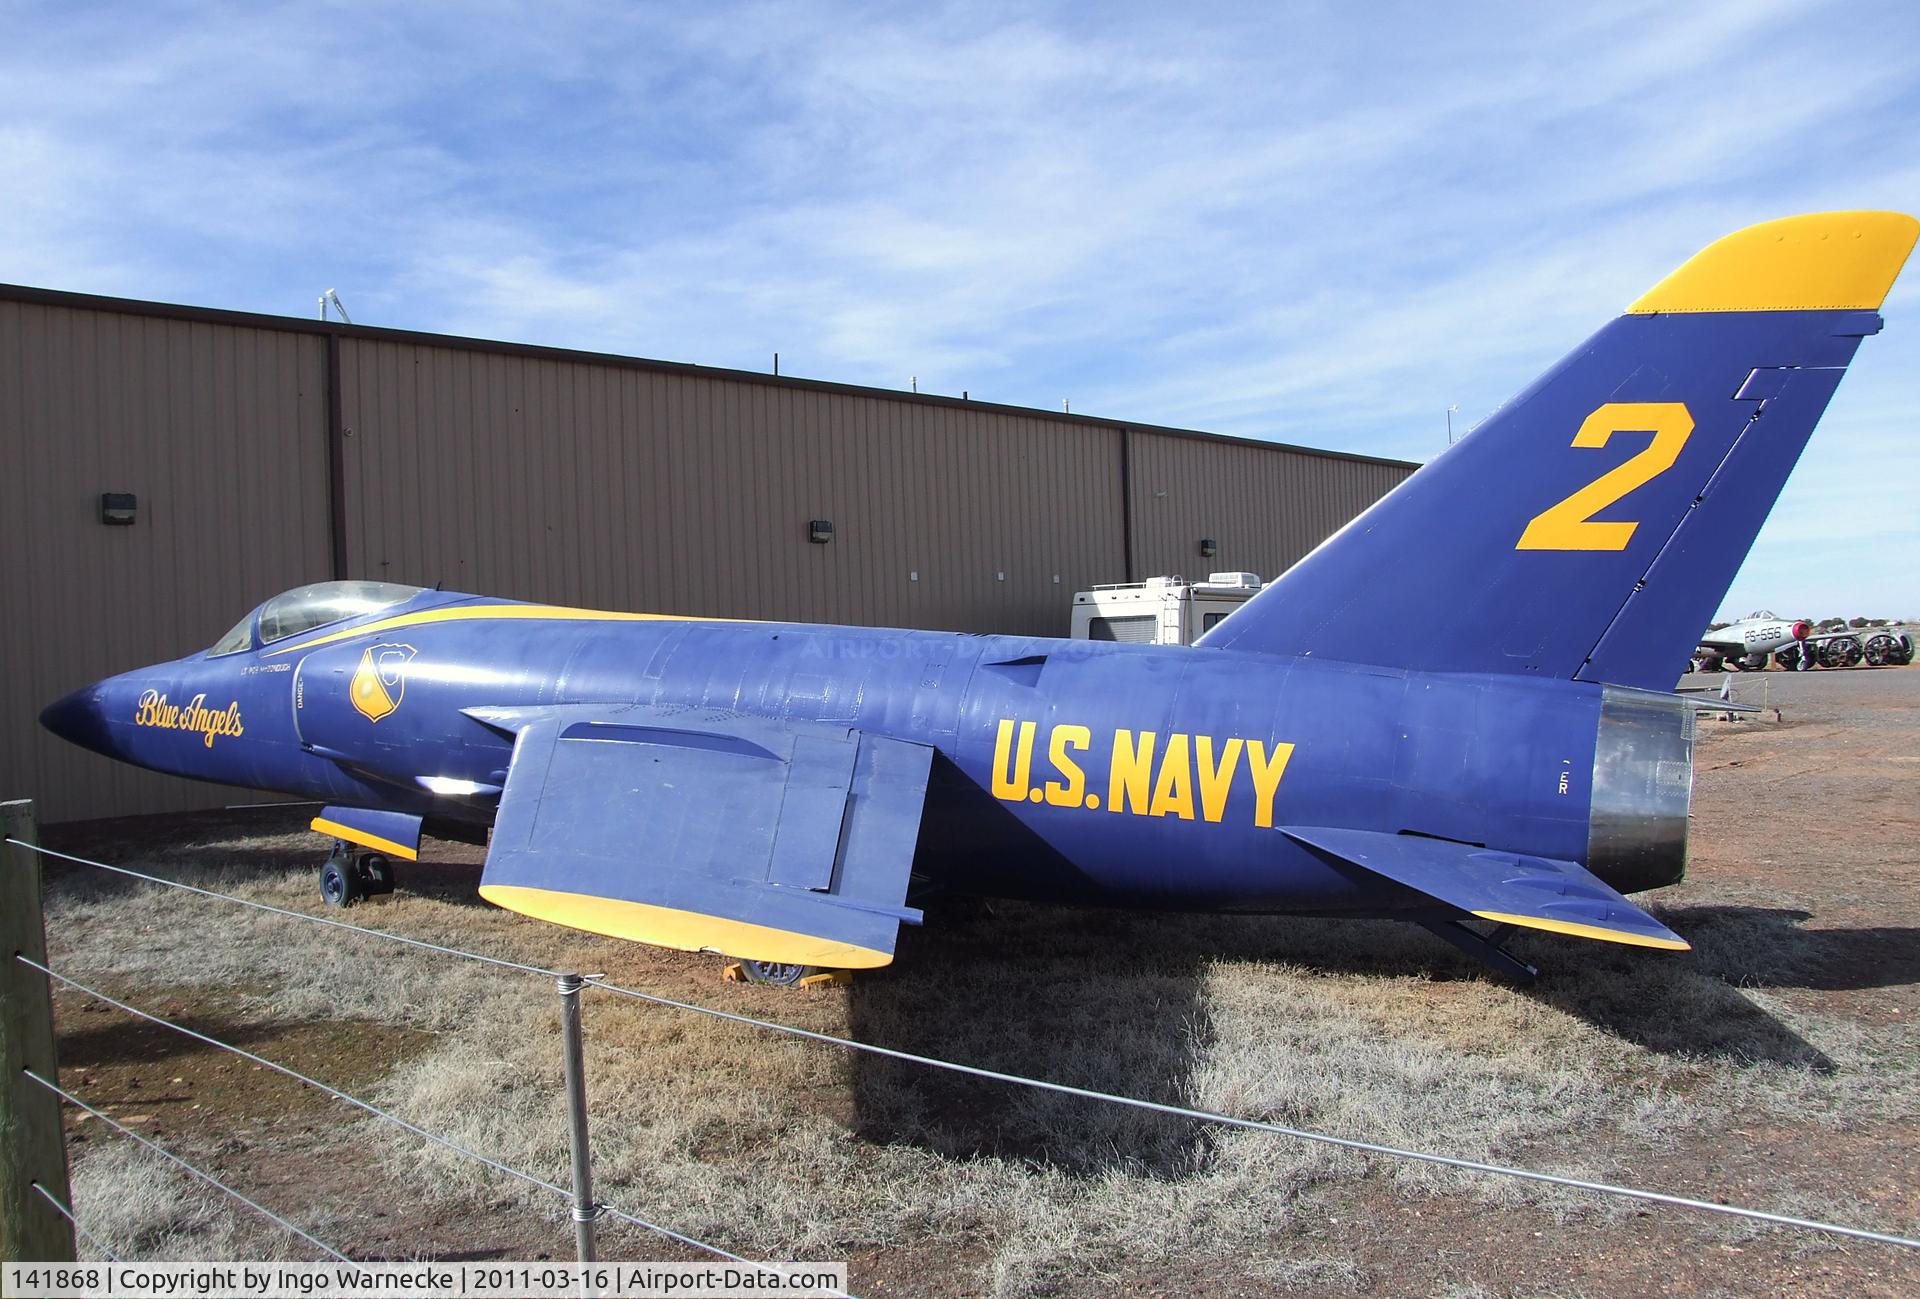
x=581, y=1212
x=355, y=1101
x=187, y=1166
x=99, y=1247
x=585, y=1209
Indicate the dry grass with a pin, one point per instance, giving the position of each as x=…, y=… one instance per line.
x=785, y=1148
x=139, y=1205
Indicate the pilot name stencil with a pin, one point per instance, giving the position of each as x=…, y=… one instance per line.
x=1192, y=777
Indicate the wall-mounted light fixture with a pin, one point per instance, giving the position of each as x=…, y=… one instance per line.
x=1208, y=548
x=820, y=530
x=117, y=508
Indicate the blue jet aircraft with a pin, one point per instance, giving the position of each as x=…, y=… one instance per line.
x=778, y=791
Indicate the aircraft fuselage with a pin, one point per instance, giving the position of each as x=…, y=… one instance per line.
x=1148, y=775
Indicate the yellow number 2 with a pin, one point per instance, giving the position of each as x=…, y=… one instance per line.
x=1570, y=524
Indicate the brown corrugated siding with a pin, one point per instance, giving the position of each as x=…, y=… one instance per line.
x=220, y=433
x=1264, y=507
x=566, y=477
x=586, y=484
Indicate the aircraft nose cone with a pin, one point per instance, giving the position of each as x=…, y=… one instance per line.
x=79, y=719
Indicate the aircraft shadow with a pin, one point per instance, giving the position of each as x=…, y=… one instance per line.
x=1694, y=1003
x=122, y=1040
x=1116, y=1001
x=1771, y=947
x=1093, y=999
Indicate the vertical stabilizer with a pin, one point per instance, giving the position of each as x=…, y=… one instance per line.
x=1591, y=526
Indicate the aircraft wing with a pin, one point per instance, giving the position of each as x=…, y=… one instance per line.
x=1509, y=888
x=705, y=830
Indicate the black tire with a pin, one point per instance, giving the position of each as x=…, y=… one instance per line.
x=341, y=883
x=776, y=974
x=1787, y=657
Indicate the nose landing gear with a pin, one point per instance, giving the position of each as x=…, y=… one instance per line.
x=352, y=874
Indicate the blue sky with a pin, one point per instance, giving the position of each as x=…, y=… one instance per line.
x=1317, y=223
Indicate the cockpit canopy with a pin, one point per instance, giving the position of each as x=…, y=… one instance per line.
x=307, y=607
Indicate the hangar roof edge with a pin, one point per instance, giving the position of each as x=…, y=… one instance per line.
x=33, y=295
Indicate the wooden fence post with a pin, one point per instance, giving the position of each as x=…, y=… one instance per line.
x=33, y=1146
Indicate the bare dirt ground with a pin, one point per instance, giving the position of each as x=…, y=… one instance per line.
x=1777, y=1066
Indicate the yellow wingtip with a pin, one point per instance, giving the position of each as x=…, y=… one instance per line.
x=1826, y=261
x=1579, y=930
x=688, y=931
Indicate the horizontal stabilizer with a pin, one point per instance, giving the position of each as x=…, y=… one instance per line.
x=703, y=830
x=395, y=833
x=1508, y=888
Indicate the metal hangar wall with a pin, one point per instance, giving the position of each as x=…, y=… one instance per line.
x=263, y=452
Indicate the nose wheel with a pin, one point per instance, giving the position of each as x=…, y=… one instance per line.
x=352, y=875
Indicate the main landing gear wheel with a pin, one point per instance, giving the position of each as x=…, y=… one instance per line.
x=354, y=875
x=776, y=974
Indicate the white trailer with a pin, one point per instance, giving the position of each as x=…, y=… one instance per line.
x=1160, y=610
